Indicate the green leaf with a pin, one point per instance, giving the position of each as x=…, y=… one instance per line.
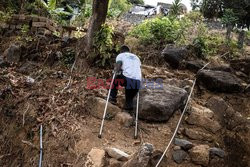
x=71, y=10
x=52, y=4
x=42, y=3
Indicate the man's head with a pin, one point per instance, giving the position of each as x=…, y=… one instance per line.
x=124, y=48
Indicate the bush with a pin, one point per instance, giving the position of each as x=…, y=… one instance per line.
x=161, y=30
x=212, y=44
x=195, y=16
x=137, y=2
x=103, y=45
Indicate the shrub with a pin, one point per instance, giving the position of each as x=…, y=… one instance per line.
x=212, y=44
x=161, y=30
x=195, y=16
x=137, y=2
x=103, y=45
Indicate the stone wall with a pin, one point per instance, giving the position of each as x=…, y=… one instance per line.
x=35, y=23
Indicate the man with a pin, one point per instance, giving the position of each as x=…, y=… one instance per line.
x=128, y=70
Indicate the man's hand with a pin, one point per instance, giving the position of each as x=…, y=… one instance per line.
x=118, y=67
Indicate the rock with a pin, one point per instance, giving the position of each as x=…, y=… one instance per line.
x=177, y=147
x=117, y=154
x=197, y=135
x=242, y=65
x=217, y=105
x=200, y=154
x=227, y=116
x=225, y=68
x=28, y=67
x=174, y=56
x=30, y=80
x=13, y=53
x=179, y=156
x=217, y=151
x=125, y=119
x=160, y=104
x=219, y=81
x=95, y=106
x=203, y=111
x=95, y=158
x=142, y=157
x=184, y=144
x=114, y=163
x=3, y=63
x=194, y=66
x=201, y=120
x=155, y=159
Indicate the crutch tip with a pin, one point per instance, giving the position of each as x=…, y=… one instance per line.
x=135, y=137
x=99, y=136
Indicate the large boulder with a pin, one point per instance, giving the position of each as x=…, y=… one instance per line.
x=12, y=54
x=174, y=56
x=219, y=81
x=160, y=104
x=95, y=106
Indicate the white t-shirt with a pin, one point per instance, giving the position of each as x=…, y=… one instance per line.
x=131, y=65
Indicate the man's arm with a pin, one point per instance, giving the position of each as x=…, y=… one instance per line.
x=118, y=66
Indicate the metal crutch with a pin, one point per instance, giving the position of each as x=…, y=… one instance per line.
x=106, y=106
x=136, y=117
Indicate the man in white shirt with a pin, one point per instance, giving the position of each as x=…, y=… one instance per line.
x=128, y=69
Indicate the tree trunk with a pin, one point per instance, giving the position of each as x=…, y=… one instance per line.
x=99, y=14
x=229, y=31
x=241, y=39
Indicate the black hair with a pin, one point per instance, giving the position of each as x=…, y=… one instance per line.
x=124, y=48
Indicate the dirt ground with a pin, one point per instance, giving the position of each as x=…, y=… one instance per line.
x=70, y=132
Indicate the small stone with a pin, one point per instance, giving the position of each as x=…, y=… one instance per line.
x=96, y=158
x=179, y=156
x=155, y=157
x=204, y=121
x=203, y=111
x=125, y=119
x=217, y=151
x=177, y=147
x=198, y=135
x=30, y=80
x=142, y=157
x=114, y=163
x=117, y=154
x=13, y=54
x=184, y=144
x=200, y=154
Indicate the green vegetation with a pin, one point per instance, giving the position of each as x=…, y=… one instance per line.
x=176, y=8
x=137, y=2
x=229, y=17
x=195, y=16
x=161, y=30
x=5, y=16
x=103, y=46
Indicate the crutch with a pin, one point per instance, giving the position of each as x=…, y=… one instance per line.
x=106, y=106
x=136, y=117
